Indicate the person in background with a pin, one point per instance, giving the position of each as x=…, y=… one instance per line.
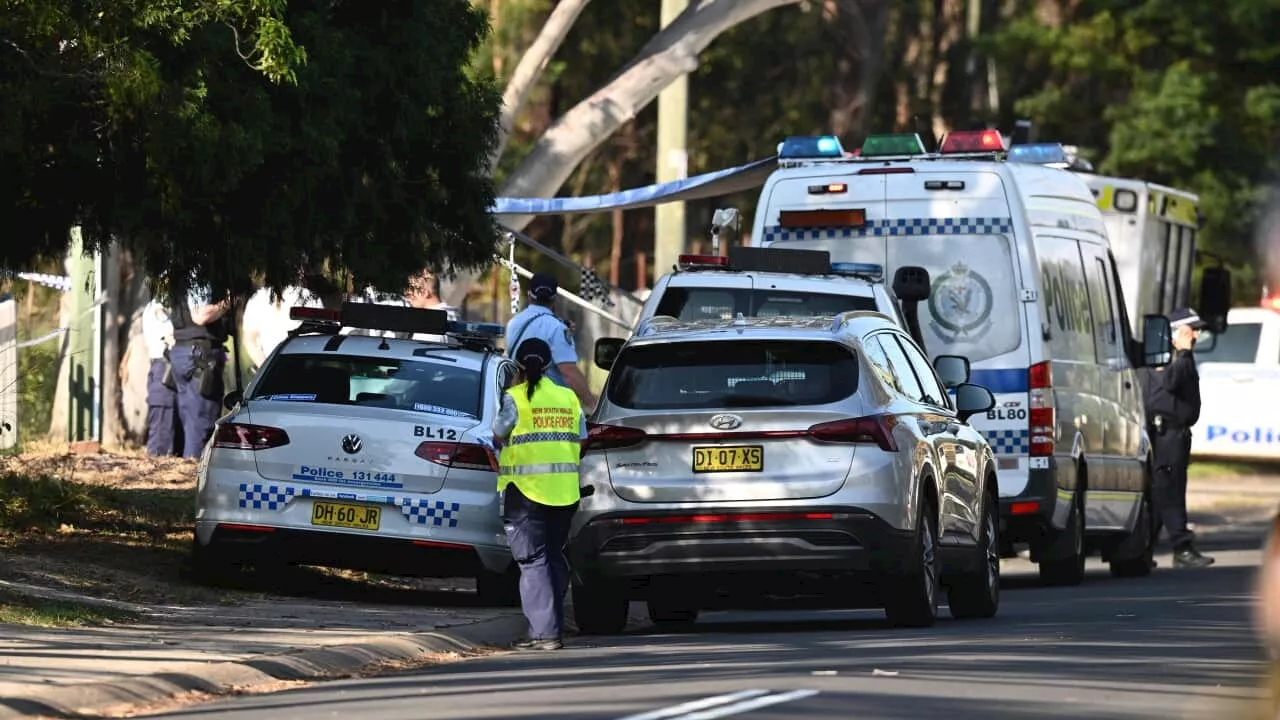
x=423, y=292
x=539, y=428
x=1172, y=395
x=538, y=320
x=164, y=431
x=200, y=330
x=266, y=321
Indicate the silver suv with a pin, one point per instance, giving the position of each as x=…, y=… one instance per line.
x=735, y=462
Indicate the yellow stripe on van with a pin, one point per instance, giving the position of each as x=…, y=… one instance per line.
x=1106, y=197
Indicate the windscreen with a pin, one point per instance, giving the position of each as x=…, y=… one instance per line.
x=732, y=374
x=419, y=385
x=1239, y=344
x=973, y=308
x=711, y=303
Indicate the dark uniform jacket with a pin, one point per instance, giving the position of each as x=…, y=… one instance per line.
x=1173, y=392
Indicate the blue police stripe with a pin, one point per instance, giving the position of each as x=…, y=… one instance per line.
x=1003, y=380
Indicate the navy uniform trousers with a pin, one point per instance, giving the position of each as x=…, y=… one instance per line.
x=164, y=432
x=1172, y=453
x=197, y=413
x=537, y=535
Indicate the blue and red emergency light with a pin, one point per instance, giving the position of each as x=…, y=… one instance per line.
x=972, y=141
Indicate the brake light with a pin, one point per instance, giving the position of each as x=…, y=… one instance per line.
x=872, y=429
x=972, y=141
x=887, y=171
x=242, y=436
x=463, y=456
x=726, y=518
x=609, y=437
x=691, y=262
x=1042, y=418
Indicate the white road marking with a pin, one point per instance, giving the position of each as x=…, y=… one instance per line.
x=696, y=705
x=748, y=705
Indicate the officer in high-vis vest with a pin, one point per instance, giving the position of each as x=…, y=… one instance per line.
x=539, y=429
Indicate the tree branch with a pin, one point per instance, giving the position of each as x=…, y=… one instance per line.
x=532, y=64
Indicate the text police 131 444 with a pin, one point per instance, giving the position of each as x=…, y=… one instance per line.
x=360, y=478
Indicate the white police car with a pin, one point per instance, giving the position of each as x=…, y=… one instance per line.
x=369, y=453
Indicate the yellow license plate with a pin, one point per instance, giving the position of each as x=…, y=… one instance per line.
x=728, y=459
x=359, y=517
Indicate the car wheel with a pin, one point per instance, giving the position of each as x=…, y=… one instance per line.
x=499, y=589
x=912, y=598
x=212, y=566
x=1135, y=554
x=1067, y=567
x=599, y=609
x=977, y=594
x=671, y=613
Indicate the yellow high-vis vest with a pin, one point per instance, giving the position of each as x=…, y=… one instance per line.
x=541, y=455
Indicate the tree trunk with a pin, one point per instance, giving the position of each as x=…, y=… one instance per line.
x=671, y=53
x=532, y=64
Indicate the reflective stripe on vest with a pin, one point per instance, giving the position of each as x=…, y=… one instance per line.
x=541, y=456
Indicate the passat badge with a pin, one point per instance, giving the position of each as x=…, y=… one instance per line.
x=726, y=422
x=351, y=444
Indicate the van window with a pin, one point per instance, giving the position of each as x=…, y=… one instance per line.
x=695, y=303
x=971, y=310
x=1065, y=313
x=419, y=385
x=1105, y=336
x=1239, y=344
x=732, y=374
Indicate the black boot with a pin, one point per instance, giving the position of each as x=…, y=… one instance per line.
x=1188, y=557
x=538, y=644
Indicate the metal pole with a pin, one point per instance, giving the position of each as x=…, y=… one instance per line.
x=670, y=235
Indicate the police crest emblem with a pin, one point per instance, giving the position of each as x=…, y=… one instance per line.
x=960, y=303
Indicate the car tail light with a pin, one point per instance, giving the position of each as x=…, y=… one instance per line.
x=609, y=437
x=1042, y=418
x=872, y=429
x=463, y=456
x=242, y=436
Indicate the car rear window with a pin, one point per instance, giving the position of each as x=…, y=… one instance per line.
x=732, y=373
x=419, y=385
x=1239, y=344
x=711, y=303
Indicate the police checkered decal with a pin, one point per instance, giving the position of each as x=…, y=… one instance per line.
x=1007, y=442
x=430, y=512
x=895, y=227
x=268, y=497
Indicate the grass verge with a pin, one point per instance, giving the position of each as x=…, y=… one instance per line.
x=1229, y=469
x=17, y=609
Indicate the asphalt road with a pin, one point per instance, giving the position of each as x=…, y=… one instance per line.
x=1175, y=645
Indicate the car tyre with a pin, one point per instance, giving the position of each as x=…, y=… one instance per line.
x=499, y=589
x=912, y=598
x=1135, y=554
x=671, y=613
x=599, y=609
x=1068, y=567
x=977, y=594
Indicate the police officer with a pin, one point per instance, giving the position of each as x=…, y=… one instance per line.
x=198, y=358
x=1173, y=407
x=164, y=432
x=539, y=428
x=538, y=320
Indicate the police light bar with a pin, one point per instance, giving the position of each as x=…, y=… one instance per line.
x=694, y=262
x=972, y=141
x=1052, y=154
x=314, y=315
x=797, y=147
x=779, y=260
x=866, y=270
x=475, y=330
x=896, y=145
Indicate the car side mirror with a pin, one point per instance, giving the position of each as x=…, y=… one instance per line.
x=972, y=399
x=607, y=350
x=1215, y=298
x=232, y=399
x=953, y=370
x=1157, y=341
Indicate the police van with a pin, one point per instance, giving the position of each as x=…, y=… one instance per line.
x=1024, y=285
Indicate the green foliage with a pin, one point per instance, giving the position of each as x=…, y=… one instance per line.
x=221, y=138
x=37, y=382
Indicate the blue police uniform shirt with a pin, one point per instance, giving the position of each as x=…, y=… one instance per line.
x=538, y=321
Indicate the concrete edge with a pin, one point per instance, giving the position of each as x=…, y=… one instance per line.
x=98, y=699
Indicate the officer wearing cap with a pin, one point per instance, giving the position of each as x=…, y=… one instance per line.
x=1173, y=406
x=537, y=320
x=164, y=432
x=199, y=331
x=539, y=428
